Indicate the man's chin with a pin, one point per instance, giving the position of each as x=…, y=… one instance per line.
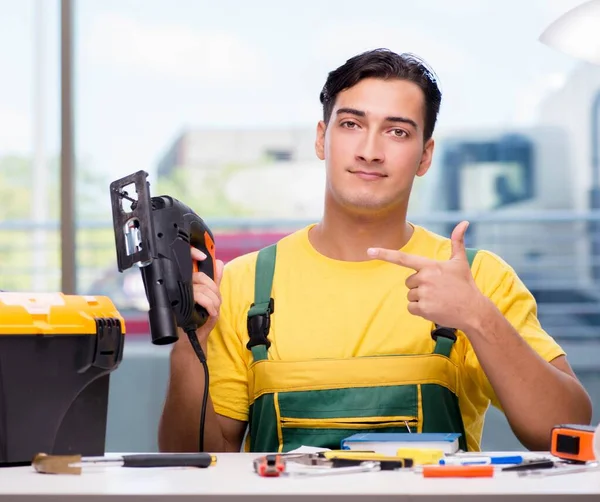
x=369, y=205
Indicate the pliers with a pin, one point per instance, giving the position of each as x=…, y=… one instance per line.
x=274, y=465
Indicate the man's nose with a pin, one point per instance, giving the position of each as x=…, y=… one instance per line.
x=370, y=149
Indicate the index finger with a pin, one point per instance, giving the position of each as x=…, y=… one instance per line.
x=197, y=254
x=399, y=258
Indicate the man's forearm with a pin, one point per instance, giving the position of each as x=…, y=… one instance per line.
x=534, y=394
x=179, y=428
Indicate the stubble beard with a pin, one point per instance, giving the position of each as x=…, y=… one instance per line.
x=363, y=202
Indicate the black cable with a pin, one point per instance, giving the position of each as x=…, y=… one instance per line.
x=200, y=353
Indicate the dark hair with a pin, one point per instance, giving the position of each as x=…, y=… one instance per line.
x=384, y=64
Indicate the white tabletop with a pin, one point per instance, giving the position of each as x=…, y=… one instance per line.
x=233, y=478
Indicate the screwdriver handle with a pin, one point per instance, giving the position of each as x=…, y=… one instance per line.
x=531, y=466
x=458, y=471
x=169, y=460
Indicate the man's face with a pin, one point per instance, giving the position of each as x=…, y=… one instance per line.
x=373, y=145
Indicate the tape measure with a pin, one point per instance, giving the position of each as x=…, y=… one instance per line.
x=269, y=466
x=573, y=442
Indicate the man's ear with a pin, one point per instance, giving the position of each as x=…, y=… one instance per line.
x=426, y=157
x=320, y=140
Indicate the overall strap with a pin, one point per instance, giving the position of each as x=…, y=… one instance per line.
x=445, y=337
x=259, y=315
x=471, y=252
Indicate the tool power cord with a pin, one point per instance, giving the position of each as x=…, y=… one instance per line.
x=202, y=357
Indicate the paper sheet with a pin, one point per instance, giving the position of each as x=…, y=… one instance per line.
x=308, y=449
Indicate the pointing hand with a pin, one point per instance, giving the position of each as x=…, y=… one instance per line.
x=443, y=292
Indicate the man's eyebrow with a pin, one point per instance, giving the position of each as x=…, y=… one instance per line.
x=351, y=111
x=403, y=120
x=360, y=113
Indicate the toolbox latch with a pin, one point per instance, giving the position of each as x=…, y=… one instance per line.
x=109, y=343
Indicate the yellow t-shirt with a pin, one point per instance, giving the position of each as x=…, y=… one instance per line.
x=327, y=308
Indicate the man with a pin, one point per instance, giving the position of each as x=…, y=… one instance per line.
x=374, y=324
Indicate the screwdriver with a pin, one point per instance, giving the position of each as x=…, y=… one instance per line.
x=72, y=464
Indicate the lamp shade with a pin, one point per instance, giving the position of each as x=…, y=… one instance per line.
x=577, y=32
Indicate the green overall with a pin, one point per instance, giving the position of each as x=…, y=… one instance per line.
x=320, y=402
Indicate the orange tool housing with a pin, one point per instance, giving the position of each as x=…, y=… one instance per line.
x=458, y=471
x=269, y=465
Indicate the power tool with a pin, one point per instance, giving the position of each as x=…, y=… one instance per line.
x=156, y=234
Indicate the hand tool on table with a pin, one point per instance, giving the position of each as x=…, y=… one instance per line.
x=483, y=460
x=531, y=466
x=72, y=464
x=470, y=466
x=562, y=469
x=573, y=442
x=351, y=469
x=421, y=456
x=340, y=458
x=269, y=466
x=325, y=463
x=457, y=471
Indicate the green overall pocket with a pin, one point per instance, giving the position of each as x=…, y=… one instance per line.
x=325, y=417
x=321, y=402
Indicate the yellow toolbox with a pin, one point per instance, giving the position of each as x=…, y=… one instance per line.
x=56, y=355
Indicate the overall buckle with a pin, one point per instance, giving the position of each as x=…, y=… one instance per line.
x=444, y=332
x=259, y=326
